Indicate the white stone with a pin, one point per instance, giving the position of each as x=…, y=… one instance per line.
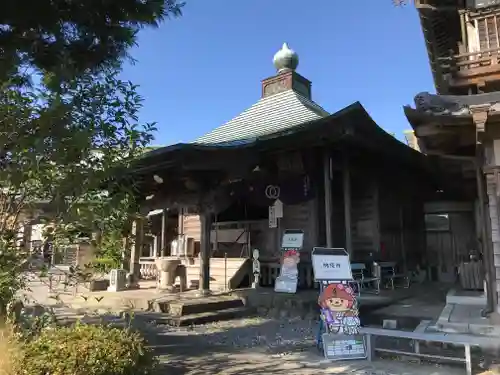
x=117, y=280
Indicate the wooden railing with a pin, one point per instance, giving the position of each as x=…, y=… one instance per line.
x=470, y=60
x=270, y=271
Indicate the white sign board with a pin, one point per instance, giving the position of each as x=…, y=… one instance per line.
x=273, y=220
x=331, y=264
x=292, y=239
x=278, y=208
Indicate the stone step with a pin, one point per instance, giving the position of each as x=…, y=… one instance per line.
x=177, y=309
x=205, y=317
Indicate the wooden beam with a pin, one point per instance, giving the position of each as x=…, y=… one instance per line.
x=205, y=250
x=327, y=178
x=163, y=239
x=488, y=257
x=346, y=179
x=138, y=232
x=433, y=130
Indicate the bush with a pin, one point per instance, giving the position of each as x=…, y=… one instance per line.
x=85, y=350
x=9, y=350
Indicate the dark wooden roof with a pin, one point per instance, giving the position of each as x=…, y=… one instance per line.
x=441, y=27
x=351, y=128
x=351, y=125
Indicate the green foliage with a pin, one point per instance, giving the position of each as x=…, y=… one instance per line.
x=58, y=147
x=85, y=350
x=106, y=264
x=11, y=263
x=66, y=38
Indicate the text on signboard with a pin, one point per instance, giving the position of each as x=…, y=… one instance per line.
x=331, y=265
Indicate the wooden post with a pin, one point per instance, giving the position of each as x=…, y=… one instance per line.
x=163, y=239
x=402, y=237
x=205, y=248
x=488, y=260
x=328, y=197
x=346, y=179
x=138, y=231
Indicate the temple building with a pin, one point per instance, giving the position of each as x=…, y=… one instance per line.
x=460, y=124
x=339, y=178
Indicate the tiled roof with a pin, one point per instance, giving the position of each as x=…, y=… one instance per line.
x=270, y=114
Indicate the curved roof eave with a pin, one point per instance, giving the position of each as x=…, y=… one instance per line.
x=352, y=122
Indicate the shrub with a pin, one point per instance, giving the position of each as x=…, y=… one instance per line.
x=85, y=350
x=9, y=350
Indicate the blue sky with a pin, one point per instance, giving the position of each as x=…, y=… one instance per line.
x=199, y=71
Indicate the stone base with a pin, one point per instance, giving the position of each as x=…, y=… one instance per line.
x=114, y=288
x=98, y=285
x=494, y=318
x=166, y=289
x=203, y=292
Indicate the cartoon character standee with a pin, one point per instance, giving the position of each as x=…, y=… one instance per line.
x=339, y=309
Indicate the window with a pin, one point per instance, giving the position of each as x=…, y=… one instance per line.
x=437, y=222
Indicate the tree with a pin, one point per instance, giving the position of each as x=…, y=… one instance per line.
x=67, y=38
x=57, y=148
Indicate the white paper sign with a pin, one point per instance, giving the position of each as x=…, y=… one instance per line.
x=331, y=264
x=273, y=220
x=278, y=208
x=294, y=240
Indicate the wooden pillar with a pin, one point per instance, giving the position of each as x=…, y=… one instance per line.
x=402, y=236
x=138, y=233
x=488, y=258
x=328, y=197
x=346, y=183
x=205, y=249
x=163, y=239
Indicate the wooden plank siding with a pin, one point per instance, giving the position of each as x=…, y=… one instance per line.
x=192, y=226
x=303, y=216
x=363, y=218
x=338, y=223
x=401, y=221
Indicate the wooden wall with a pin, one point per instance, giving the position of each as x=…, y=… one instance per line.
x=400, y=200
x=364, y=218
x=446, y=249
x=192, y=225
x=303, y=216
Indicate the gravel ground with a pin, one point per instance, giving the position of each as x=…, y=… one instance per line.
x=253, y=332
x=249, y=346
x=254, y=346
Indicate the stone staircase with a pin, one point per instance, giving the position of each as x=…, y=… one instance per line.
x=225, y=274
x=199, y=310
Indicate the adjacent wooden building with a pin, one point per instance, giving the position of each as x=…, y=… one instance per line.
x=461, y=123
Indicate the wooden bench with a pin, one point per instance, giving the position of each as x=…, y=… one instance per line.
x=420, y=335
x=362, y=280
x=388, y=272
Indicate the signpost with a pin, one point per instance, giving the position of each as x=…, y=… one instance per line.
x=331, y=264
x=339, y=324
x=291, y=245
